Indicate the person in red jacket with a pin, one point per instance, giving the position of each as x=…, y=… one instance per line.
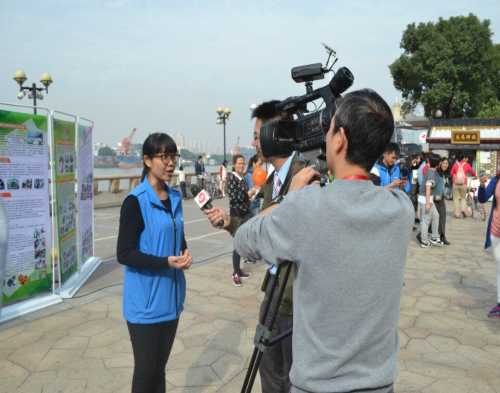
x=460, y=172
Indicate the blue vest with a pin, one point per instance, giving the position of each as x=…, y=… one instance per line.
x=152, y=297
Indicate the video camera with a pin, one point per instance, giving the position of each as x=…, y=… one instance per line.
x=300, y=129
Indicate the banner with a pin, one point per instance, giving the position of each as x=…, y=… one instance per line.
x=65, y=168
x=85, y=193
x=24, y=191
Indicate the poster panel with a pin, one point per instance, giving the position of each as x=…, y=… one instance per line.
x=24, y=190
x=65, y=168
x=85, y=193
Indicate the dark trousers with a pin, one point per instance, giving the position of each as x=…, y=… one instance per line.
x=183, y=189
x=236, y=262
x=276, y=361
x=151, y=344
x=441, y=208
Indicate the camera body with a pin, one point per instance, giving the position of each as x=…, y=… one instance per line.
x=299, y=129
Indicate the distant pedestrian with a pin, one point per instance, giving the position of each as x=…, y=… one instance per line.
x=152, y=246
x=493, y=229
x=430, y=215
x=199, y=171
x=182, y=181
x=253, y=162
x=223, y=178
x=439, y=198
x=460, y=172
x=239, y=207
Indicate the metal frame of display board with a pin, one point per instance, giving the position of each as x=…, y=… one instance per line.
x=85, y=269
x=38, y=302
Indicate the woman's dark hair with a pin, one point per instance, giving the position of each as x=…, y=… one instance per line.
x=157, y=143
x=254, y=159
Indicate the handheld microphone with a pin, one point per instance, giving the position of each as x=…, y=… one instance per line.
x=204, y=201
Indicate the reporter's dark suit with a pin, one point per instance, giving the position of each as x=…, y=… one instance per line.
x=277, y=360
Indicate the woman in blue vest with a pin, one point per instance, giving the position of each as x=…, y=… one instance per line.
x=152, y=246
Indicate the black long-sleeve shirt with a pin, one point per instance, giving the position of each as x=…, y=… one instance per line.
x=131, y=227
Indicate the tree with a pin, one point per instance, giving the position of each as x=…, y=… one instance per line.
x=490, y=110
x=106, y=151
x=451, y=65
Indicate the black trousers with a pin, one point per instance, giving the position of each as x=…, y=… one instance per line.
x=151, y=344
x=276, y=361
x=441, y=208
x=236, y=262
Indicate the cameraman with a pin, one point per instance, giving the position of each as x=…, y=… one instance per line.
x=347, y=287
x=277, y=360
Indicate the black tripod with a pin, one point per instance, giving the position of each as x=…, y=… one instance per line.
x=263, y=339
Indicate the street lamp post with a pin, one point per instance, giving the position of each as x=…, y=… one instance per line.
x=34, y=92
x=222, y=116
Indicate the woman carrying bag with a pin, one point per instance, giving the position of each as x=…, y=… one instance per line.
x=152, y=246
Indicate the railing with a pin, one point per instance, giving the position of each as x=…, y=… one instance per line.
x=117, y=183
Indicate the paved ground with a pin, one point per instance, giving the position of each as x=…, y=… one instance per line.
x=447, y=343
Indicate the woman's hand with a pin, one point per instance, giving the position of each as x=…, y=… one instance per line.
x=182, y=262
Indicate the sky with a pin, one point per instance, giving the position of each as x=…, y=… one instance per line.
x=166, y=65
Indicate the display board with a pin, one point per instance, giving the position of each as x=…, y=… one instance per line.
x=64, y=159
x=24, y=189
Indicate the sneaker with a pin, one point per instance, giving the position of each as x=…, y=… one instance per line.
x=445, y=241
x=425, y=244
x=236, y=280
x=243, y=274
x=494, y=312
x=248, y=261
x=437, y=242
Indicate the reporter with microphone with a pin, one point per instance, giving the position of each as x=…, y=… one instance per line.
x=347, y=287
x=152, y=248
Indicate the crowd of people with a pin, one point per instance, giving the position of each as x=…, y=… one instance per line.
x=429, y=180
x=323, y=236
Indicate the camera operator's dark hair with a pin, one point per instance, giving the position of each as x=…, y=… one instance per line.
x=266, y=111
x=459, y=156
x=368, y=124
x=157, y=143
x=392, y=148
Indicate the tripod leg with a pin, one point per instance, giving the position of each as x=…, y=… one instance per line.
x=268, y=323
x=251, y=366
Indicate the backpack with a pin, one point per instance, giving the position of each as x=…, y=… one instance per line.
x=460, y=177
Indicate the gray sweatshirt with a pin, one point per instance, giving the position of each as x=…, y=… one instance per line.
x=349, y=242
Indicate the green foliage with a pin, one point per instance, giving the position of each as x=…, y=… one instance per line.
x=106, y=151
x=451, y=65
x=490, y=110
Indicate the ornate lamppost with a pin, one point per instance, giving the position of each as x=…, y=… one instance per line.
x=34, y=92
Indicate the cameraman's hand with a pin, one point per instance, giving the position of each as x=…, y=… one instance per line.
x=303, y=178
x=216, y=215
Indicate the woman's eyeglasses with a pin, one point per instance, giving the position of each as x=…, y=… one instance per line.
x=168, y=157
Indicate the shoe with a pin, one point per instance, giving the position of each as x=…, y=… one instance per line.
x=236, y=280
x=425, y=244
x=445, y=241
x=419, y=237
x=243, y=274
x=494, y=312
x=248, y=261
x=437, y=242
